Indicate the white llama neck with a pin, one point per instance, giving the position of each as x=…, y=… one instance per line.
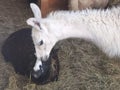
x=99, y=26
x=70, y=30
x=65, y=26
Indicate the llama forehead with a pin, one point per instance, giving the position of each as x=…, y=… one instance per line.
x=39, y=36
x=36, y=35
x=43, y=34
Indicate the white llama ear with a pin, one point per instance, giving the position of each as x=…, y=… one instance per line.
x=36, y=11
x=34, y=23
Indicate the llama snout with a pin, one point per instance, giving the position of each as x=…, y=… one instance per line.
x=38, y=73
x=42, y=69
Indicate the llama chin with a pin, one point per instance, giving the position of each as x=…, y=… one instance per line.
x=18, y=49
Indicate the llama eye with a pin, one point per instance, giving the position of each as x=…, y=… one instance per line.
x=41, y=42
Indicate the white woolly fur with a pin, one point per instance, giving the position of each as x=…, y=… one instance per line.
x=102, y=27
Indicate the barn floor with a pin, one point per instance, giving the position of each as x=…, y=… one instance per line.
x=82, y=65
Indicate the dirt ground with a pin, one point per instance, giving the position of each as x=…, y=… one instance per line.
x=82, y=65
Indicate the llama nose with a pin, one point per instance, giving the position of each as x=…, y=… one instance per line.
x=38, y=73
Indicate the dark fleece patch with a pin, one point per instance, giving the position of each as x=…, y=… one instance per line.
x=18, y=49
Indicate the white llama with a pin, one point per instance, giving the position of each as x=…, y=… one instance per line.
x=102, y=27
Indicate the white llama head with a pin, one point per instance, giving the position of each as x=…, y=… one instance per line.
x=42, y=38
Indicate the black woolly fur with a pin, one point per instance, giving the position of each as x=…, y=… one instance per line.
x=18, y=49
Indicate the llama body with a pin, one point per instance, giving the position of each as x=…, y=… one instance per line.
x=83, y=4
x=98, y=26
x=102, y=27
